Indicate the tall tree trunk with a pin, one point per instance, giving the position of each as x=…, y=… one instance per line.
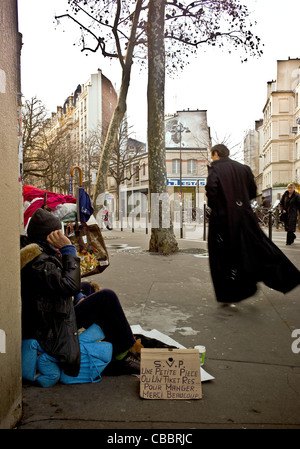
x=162, y=237
x=112, y=134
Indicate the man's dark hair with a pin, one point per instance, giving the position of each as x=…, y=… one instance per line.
x=221, y=149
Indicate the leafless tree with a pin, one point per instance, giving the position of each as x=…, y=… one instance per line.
x=60, y=156
x=111, y=19
x=90, y=153
x=119, y=29
x=34, y=121
x=47, y=158
x=162, y=237
x=125, y=159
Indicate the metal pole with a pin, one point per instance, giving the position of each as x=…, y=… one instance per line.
x=180, y=181
x=270, y=224
x=204, y=221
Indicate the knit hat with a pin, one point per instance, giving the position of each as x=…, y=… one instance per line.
x=41, y=224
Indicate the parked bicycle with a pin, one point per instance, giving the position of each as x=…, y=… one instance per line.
x=264, y=216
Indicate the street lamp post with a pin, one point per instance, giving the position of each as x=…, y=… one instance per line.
x=180, y=128
x=180, y=181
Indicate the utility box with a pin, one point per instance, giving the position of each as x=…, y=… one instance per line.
x=170, y=374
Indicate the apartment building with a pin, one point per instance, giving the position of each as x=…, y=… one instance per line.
x=93, y=103
x=275, y=155
x=297, y=134
x=251, y=150
x=82, y=122
x=187, y=143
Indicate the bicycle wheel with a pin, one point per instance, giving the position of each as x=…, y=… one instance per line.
x=266, y=220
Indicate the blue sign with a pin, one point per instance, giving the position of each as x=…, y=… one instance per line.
x=186, y=182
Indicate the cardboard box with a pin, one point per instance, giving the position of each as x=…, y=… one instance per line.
x=170, y=374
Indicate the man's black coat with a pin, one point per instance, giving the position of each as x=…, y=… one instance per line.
x=240, y=253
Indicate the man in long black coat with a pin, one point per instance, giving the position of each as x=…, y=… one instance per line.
x=240, y=253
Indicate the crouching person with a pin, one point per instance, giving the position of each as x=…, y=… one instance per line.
x=50, y=279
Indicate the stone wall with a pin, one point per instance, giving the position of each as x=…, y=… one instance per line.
x=10, y=217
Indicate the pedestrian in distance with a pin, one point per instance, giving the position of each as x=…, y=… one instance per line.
x=55, y=304
x=290, y=205
x=240, y=254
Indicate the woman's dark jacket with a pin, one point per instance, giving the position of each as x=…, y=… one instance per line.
x=240, y=254
x=48, y=283
x=291, y=205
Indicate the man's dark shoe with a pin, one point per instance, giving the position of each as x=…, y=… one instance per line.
x=129, y=365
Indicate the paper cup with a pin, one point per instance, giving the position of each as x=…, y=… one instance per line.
x=202, y=351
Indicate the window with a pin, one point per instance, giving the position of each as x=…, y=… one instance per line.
x=284, y=152
x=176, y=166
x=136, y=170
x=283, y=105
x=192, y=166
x=284, y=128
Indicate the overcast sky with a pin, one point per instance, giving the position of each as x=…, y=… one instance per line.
x=233, y=93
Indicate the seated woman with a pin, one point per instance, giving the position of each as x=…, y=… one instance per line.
x=50, y=278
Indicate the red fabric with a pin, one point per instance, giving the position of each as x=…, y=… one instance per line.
x=31, y=193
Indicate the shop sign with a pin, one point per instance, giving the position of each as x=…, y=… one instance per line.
x=186, y=182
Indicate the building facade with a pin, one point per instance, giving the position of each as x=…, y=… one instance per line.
x=82, y=123
x=275, y=155
x=187, y=145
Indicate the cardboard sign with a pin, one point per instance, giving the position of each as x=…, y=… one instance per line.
x=170, y=374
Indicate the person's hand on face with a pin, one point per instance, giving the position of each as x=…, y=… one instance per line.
x=58, y=239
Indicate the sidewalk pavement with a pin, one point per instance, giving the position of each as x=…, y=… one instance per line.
x=248, y=348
